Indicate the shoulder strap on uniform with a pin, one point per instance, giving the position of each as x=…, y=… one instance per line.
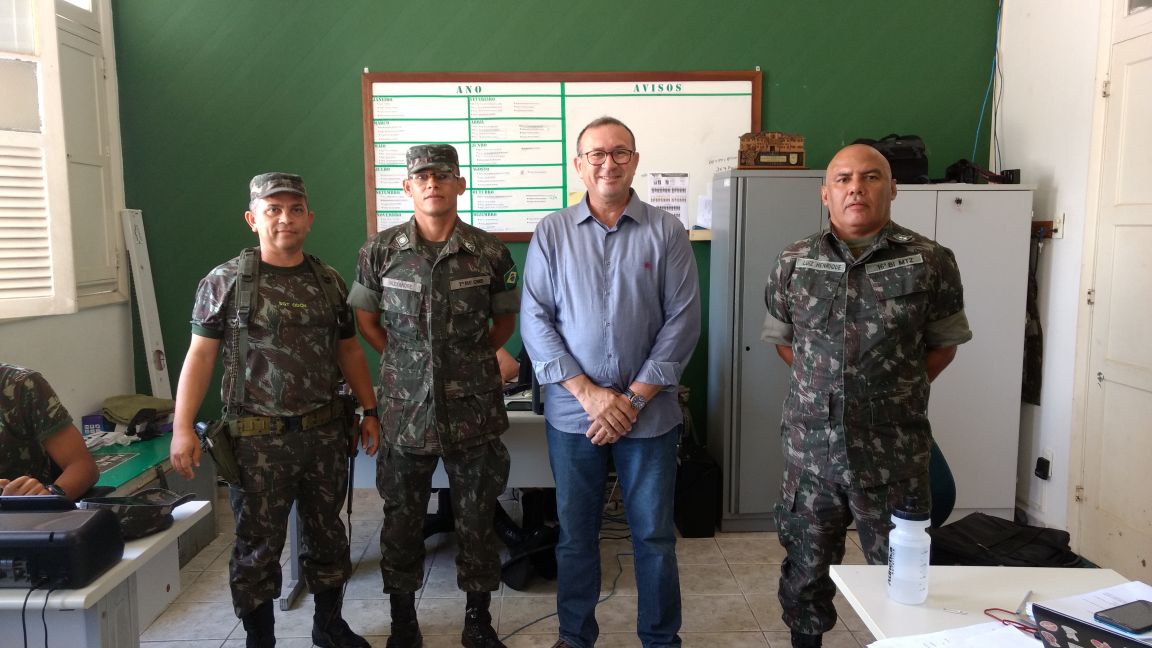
x=244, y=295
x=332, y=293
x=246, y=283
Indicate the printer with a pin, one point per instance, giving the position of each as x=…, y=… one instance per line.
x=58, y=549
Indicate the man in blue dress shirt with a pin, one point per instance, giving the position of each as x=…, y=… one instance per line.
x=610, y=316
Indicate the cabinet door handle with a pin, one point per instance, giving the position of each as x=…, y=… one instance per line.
x=959, y=201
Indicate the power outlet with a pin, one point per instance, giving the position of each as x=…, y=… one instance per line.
x=1043, y=468
x=1058, y=231
x=1044, y=465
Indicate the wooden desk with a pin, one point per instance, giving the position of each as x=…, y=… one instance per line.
x=958, y=596
x=105, y=613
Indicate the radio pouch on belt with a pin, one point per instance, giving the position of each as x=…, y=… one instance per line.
x=216, y=440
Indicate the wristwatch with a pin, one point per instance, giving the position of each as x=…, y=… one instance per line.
x=56, y=490
x=638, y=401
x=370, y=411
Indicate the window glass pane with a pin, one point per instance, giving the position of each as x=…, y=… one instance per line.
x=17, y=27
x=1138, y=5
x=86, y=5
x=20, y=110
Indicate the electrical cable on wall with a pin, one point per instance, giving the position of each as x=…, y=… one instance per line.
x=992, y=76
x=998, y=105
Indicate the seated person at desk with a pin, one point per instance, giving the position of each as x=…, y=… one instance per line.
x=41, y=451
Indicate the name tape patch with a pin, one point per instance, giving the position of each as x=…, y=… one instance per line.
x=400, y=284
x=881, y=266
x=826, y=266
x=470, y=282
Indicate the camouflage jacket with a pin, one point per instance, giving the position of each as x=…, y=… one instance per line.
x=857, y=405
x=291, y=365
x=438, y=367
x=30, y=413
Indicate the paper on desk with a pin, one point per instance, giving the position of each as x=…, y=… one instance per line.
x=1083, y=606
x=983, y=635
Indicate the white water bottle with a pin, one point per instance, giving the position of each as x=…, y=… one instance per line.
x=908, y=550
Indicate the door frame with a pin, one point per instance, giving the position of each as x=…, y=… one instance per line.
x=1113, y=28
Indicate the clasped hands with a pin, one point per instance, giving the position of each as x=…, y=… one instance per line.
x=611, y=413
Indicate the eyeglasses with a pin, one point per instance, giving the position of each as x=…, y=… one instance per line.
x=423, y=178
x=619, y=156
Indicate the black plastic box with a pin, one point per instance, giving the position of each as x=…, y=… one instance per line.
x=57, y=549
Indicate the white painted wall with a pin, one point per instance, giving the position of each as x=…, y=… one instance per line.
x=86, y=356
x=1048, y=59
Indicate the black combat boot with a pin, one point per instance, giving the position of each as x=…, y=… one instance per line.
x=260, y=624
x=329, y=629
x=801, y=640
x=405, y=631
x=478, y=631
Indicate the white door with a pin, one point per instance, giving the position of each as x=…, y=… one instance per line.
x=1115, y=506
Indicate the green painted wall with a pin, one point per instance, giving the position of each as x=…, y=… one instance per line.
x=215, y=91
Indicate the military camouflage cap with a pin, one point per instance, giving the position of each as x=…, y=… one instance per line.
x=439, y=157
x=266, y=184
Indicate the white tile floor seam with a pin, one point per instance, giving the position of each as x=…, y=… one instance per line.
x=728, y=589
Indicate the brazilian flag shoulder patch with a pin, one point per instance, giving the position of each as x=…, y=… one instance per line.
x=510, y=279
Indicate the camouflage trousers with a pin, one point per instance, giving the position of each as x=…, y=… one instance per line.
x=812, y=521
x=310, y=468
x=476, y=475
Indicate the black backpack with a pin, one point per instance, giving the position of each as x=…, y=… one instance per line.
x=906, y=155
x=981, y=539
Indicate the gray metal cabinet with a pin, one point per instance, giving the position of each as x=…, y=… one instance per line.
x=975, y=404
x=755, y=214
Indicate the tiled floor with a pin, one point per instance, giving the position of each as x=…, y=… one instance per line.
x=728, y=585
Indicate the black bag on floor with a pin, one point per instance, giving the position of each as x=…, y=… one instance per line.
x=696, y=502
x=696, y=507
x=981, y=539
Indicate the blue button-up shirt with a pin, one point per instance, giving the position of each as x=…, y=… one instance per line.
x=618, y=305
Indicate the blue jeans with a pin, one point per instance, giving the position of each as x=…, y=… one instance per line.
x=647, y=472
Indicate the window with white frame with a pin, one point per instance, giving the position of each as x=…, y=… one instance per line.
x=36, y=275
x=61, y=178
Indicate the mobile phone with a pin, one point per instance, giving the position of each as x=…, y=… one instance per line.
x=1134, y=617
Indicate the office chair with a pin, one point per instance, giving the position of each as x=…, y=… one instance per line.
x=943, y=486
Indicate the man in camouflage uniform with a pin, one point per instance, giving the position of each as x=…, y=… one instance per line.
x=291, y=438
x=437, y=297
x=866, y=314
x=41, y=451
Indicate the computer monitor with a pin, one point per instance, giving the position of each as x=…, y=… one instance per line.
x=537, y=398
x=528, y=378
